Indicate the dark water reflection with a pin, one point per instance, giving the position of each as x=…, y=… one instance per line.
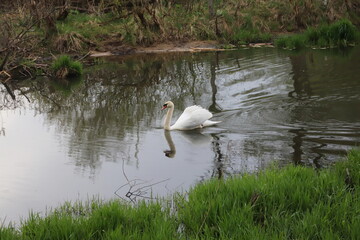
x=101, y=132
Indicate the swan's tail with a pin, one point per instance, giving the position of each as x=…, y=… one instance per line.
x=209, y=123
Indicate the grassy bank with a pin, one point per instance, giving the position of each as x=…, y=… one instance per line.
x=289, y=203
x=32, y=31
x=236, y=22
x=82, y=25
x=339, y=34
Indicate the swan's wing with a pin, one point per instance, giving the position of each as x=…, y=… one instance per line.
x=191, y=118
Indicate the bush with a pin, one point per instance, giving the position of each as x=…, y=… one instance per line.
x=64, y=67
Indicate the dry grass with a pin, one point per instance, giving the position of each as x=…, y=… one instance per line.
x=71, y=42
x=146, y=23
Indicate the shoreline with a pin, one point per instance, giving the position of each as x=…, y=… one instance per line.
x=276, y=203
x=190, y=46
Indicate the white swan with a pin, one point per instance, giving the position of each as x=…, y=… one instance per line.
x=192, y=117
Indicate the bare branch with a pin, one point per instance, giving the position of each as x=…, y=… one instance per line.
x=137, y=188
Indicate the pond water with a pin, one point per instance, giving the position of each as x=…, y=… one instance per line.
x=102, y=135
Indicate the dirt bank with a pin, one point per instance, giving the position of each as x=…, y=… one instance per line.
x=111, y=49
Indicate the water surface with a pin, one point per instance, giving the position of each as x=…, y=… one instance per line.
x=102, y=135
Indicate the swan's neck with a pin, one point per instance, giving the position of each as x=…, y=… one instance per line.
x=168, y=118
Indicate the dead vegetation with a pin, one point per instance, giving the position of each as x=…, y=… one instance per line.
x=71, y=42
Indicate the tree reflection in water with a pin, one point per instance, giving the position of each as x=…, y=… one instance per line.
x=260, y=95
x=274, y=106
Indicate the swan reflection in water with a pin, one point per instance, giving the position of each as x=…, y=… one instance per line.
x=195, y=137
x=172, y=151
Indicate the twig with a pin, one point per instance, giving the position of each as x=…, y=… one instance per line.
x=4, y=61
x=86, y=55
x=7, y=74
x=13, y=42
x=138, y=191
x=8, y=89
x=47, y=97
x=123, y=170
x=22, y=93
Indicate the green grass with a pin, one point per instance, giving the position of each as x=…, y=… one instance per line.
x=291, y=42
x=88, y=25
x=339, y=34
x=104, y=25
x=289, y=203
x=181, y=24
x=97, y=220
x=64, y=62
x=241, y=37
x=255, y=23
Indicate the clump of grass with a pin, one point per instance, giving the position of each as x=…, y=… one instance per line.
x=291, y=42
x=99, y=220
x=280, y=42
x=290, y=203
x=8, y=233
x=342, y=33
x=250, y=36
x=65, y=67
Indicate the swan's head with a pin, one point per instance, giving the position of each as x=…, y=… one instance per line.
x=168, y=104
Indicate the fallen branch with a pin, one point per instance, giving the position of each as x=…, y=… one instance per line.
x=4, y=82
x=8, y=76
x=137, y=188
x=8, y=89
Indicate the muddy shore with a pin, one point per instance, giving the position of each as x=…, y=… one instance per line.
x=111, y=49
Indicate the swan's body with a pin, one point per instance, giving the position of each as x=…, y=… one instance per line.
x=193, y=117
